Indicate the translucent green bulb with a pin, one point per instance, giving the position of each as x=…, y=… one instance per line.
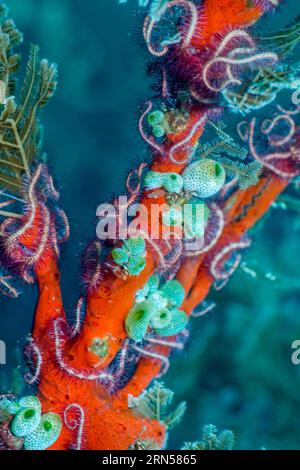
x=138, y=319
x=177, y=324
x=158, y=131
x=10, y=407
x=136, y=246
x=173, y=292
x=173, y=182
x=172, y=217
x=25, y=422
x=45, y=434
x=204, y=178
x=195, y=219
x=161, y=319
x=136, y=265
x=120, y=256
x=154, y=180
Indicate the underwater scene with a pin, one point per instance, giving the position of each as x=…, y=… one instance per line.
x=149, y=225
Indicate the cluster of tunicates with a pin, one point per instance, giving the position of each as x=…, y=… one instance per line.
x=38, y=430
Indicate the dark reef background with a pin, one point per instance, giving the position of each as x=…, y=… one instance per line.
x=236, y=371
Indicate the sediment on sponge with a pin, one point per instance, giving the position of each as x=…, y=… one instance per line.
x=158, y=300
x=150, y=287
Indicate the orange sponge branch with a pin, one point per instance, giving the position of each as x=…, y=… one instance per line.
x=87, y=386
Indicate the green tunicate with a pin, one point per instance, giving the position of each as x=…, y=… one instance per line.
x=45, y=434
x=131, y=256
x=173, y=182
x=25, y=421
x=142, y=294
x=30, y=402
x=135, y=246
x=195, y=218
x=158, y=300
x=10, y=407
x=153, y=283
x=137, y=321
x=154, y=180
x=178, y=322
x=173, y=292
x=120, y=256
x=99, y=347
x=172, y=217
x=161, y=319
x=136, y=265
x=206, y=212
x=158, y=311
x=155, y=118
x=158, y=131
x=204, y=178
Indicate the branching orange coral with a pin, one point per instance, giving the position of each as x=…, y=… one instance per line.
x=88, y=387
